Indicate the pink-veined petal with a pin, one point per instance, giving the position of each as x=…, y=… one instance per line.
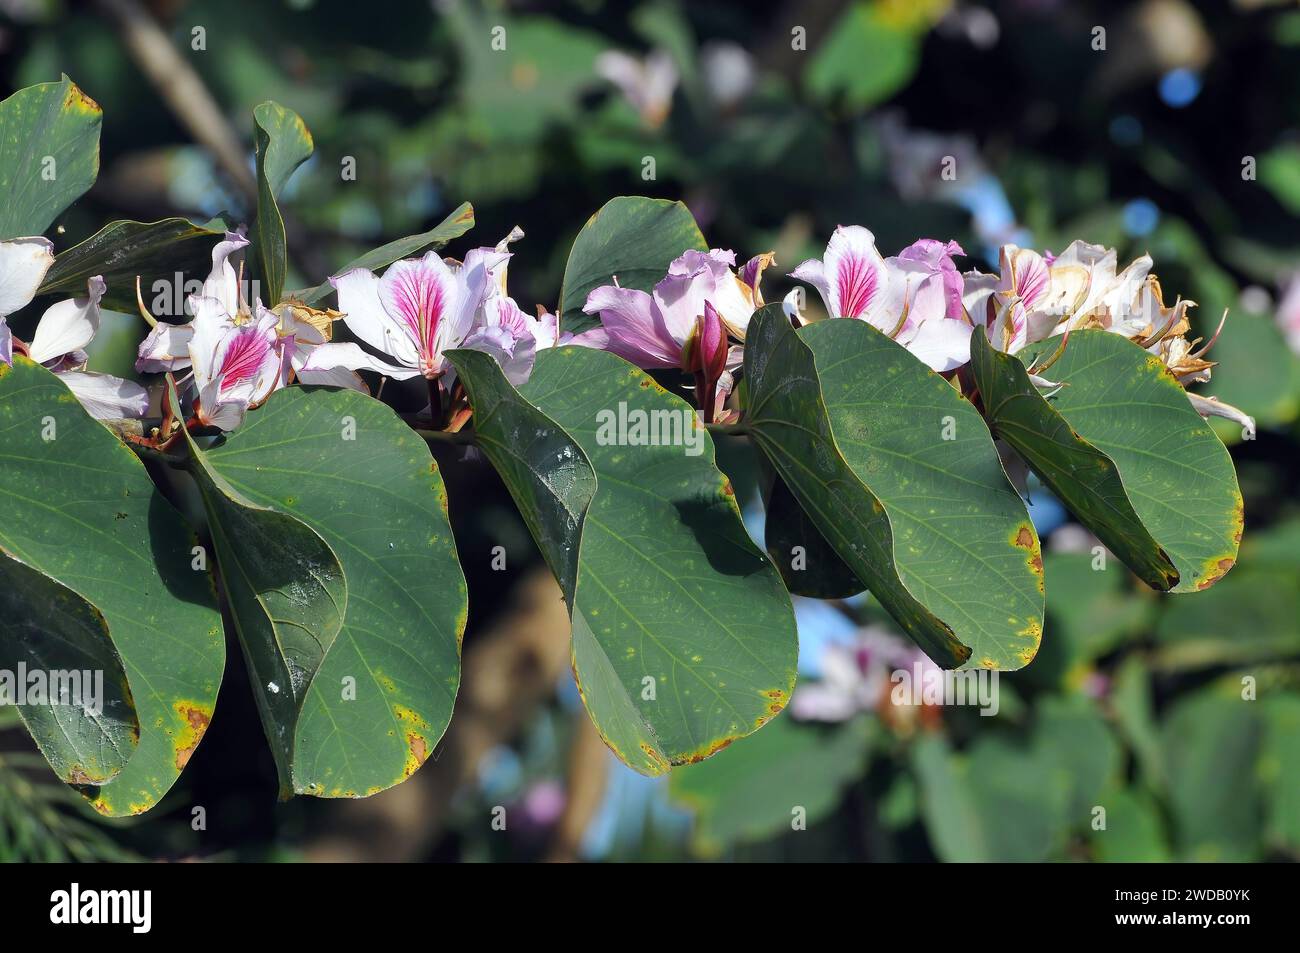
x=365, y=316
x=6, y=343
x=854, y=273
x=423, y=296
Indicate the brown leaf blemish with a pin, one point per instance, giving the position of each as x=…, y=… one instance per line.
x=194, y=723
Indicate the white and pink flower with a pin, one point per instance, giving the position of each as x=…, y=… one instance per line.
x=914, y=297
x=686, y=321
x=63, y=333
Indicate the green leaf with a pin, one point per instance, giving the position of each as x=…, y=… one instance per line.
x=631, y=237
x=683, y=636
x=1279, y=172
x=1248, y=618
x=1212, y=745
x=900, y=475
x=545, y=470
x=1123, y=448
x=1280, y=769
x=1015, y=800
x=453, y=226
x=49, y=154
x=808, y=564
x=868, y=55
x=48, y=628
x=283, y=144
x=120, y=251
x=1133, y=833
x=1090, y=610
x=747, y=793
x=80, y=509
x=330, y=523
x=993, y=803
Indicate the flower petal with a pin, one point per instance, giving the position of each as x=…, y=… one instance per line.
x=636, y=332
x=69, y=325
x=23, y=264
x=855, y=274
x=330, y=356
x=423, y=296
x=223, y=282
x=944, y=344
x=165, y=349
x=364, y=314
x=106, y=397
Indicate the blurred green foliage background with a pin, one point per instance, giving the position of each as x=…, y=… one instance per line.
x=1176, y=130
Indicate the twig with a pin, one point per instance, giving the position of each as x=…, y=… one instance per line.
x=584, y=789
x=181, y=89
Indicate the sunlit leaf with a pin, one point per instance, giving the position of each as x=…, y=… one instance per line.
x=631, y=237
x=49, y=154
x=453, y=226
x=78, y=506
x=1121, y=445
x=332, y=536
x=899, y=474
x=683, y=636
x=283, y=144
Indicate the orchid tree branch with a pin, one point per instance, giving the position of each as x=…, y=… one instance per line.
x=180, y=87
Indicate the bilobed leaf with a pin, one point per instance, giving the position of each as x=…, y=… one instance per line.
x=49, y=154
x=900, y=476
x=453, y=226
x=631, y=237
x=545, y=470
x=332, y=536
x=1122, y=446
x=121, y=251
x=683, y=636
x=78, y=506
x=286, y=593
x=283, y=144
x=89, y=736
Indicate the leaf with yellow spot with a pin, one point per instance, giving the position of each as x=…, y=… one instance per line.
x=49, y=155
x=328, y=512
x=683, y=636
x=1124, y=449
x=78, y=507
x=899, y=477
